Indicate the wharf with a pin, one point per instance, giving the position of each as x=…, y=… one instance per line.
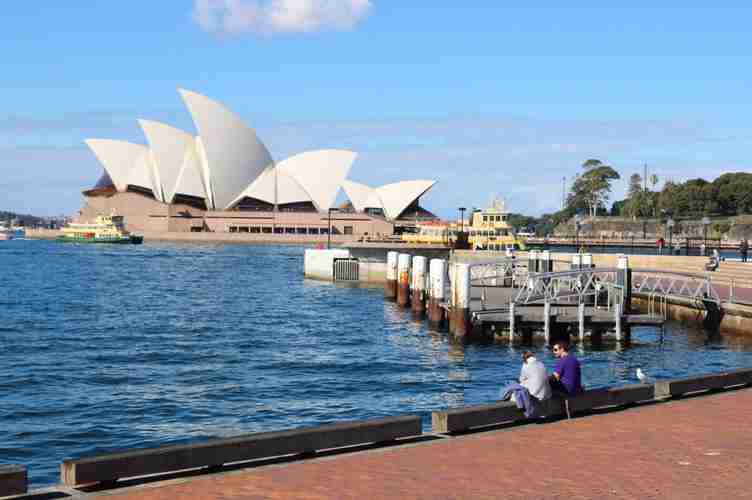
x=674, y=449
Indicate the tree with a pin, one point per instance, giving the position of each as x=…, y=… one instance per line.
x=591, y=189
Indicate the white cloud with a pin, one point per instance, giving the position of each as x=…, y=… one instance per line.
x=235, y=17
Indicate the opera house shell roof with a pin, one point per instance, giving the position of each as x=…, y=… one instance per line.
x=227, y=163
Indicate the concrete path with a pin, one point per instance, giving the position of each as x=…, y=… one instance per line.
x=693, y=448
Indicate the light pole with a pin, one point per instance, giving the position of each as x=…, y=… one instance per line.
x=670, y=226
x=705, y=224
x=329, y=231
x=577, y=233
x=462, y=219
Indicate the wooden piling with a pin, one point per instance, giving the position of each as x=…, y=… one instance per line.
x=390, y=285
x=437, y=273
x=461, y=301
x=418, y=292
x=403, y=284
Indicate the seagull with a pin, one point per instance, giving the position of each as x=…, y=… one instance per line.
x=641, y=376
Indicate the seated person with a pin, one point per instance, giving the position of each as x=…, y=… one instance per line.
x=566, y=379
x=713, y=262
x=534, y=378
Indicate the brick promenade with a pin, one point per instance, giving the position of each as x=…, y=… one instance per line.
x=693, y=448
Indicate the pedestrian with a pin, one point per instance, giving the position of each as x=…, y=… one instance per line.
x=534, y=378
x=660, y=243
x=567, y=377
x=744, y=249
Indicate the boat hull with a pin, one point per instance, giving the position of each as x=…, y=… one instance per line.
x=130, y=240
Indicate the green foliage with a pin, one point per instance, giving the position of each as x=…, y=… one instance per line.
x=519, y=221
x=591, y=189
x=20, y=219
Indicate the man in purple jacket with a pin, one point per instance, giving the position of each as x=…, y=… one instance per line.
x=566, y=378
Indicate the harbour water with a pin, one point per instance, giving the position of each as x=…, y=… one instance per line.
x=106, y=348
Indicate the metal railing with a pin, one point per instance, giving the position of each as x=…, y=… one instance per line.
x=346, y=269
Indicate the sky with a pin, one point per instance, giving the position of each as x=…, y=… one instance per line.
x=489, y=98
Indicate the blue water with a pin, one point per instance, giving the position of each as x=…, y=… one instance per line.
x=113, y=347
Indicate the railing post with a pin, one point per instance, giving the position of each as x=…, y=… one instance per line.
x=418, y=285
x=617, y=320
x=403, y=287
x=511, y=322
x=731, y=292
x=390, y=285
x=581, y=320
x=437, y=274
x=624, y=279
x=547, y=321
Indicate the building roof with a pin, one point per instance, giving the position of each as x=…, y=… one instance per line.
x=169, y=147
x=320, y=173
x=234, y=154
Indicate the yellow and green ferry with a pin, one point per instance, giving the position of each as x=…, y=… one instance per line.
x=104, y=229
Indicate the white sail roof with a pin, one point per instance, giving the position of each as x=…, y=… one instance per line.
x=118, y=159
x=397, y=197
x=235, y=155
x=190, y=178
x=320, y=173
x=203, y=164
x=359, y=195
x=169, y=146
x=288, y=190
x=143, y=173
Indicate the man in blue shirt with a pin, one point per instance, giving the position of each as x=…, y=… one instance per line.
x=566, y=378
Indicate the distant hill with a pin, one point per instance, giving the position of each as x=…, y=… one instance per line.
x=24, y=219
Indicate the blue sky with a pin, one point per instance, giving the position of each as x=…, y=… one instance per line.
x=485, y=97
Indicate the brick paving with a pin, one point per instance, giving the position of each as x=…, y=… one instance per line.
x=692, y=448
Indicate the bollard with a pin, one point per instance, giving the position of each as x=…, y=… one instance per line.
x=547, y=321
x=587, y=261
x=581, y=320
x=624, y=280
x=546, y=264
x=403, y=279
x=419, y=285
x=437, y=277
x=532, y=261
x=390, y=285
x=576, y=262
x=461, y=301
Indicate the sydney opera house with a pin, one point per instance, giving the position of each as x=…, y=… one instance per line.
x=225, y=180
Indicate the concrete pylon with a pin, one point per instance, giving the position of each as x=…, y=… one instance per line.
x=390, y=285
x=418, y=292
x=437, y=278
x=403, y=279
x=461, y=301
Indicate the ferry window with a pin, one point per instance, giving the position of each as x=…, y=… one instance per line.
x=485, y=218
x=498, y=218
x=266, y=229
x=243, y=229
x=255, y=229
x=302, y=230
x=289, y=230
x=233, y=229
x=278, y=230
x=324, y=230
x=313, y=230
x=503, y=217
x=348, y=229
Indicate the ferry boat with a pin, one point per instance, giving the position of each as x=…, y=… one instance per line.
x=104, y=229
x=487, y=229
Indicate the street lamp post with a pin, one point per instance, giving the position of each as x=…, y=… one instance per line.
x=705, y=224
x=329, y=231
x=462, y=219
x=577, y=233
x=670, y=226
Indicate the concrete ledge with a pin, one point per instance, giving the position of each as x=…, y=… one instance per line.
x=681, y=386
x=463, y=419
x=164, y=459
x=13, y=480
